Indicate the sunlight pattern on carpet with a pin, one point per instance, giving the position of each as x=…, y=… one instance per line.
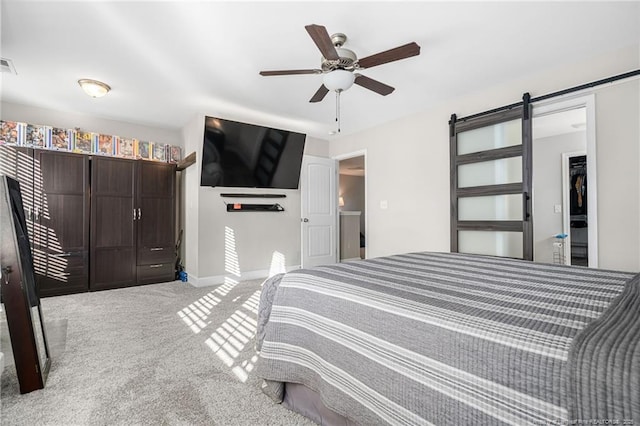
x=196, y=313
x=232, y=336
x=228, y=341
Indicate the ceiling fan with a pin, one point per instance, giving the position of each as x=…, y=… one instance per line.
x=340, y=66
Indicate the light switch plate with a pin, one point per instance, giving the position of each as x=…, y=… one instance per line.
x=384, y=204
x=557, y=208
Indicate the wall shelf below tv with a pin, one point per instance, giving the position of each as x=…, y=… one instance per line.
x=242, y=195
x=242, y=207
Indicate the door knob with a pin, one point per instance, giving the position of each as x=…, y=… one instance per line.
x=305, y=220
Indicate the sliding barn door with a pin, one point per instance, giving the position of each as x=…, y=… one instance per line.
x=491, y=183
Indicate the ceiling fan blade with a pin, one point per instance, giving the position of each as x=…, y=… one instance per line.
x=289, y=72
x=320, y=94
x=374, y=85
x=402, y=52
x=321, y=38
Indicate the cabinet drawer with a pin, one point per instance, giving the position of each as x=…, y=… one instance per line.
x=160, y=254
x=156, y=273
x=60, y=273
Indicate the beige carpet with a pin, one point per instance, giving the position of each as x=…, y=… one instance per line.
x=165, y=354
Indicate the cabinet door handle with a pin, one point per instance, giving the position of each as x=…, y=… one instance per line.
x=157, y=248
x=67, y=254
x=134, y=214
x=160, y=265
x=139, y=213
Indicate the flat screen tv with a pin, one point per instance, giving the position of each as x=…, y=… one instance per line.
x=244, y=155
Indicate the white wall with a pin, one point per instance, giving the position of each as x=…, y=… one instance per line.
x=88, y=123
x=223, y=246
x=547, y=188
x=617, y=151
x=408, y=162
x=192, y=139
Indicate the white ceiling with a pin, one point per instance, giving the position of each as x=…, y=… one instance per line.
x=168, y=61
x=353, y=166
x=559, y=123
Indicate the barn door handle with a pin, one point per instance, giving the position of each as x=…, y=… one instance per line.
x=525, y=207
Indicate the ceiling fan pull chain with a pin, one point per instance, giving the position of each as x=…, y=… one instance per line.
x=338, y=108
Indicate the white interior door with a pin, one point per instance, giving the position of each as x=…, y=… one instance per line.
x=319, y=211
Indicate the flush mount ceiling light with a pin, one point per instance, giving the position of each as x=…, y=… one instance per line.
x=94, y=88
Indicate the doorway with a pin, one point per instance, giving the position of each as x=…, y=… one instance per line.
x=575, y=207
x=563, y=149
x=352, y=206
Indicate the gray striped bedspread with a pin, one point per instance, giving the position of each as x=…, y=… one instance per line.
x=452, y=339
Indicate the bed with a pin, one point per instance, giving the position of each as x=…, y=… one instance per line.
x=447, y=338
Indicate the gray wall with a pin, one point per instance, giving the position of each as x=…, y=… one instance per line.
x=412, y=172
x=547, y=188
x=411, y=175
x=352, y=191
x=229, y=247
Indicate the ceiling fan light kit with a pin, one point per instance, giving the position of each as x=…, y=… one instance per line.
x=338, y=80
x=338, y=65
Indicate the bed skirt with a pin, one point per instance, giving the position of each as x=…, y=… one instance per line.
x=308, y=403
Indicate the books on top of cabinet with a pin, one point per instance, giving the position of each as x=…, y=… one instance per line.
x=61, y=139
x=36, y=136
x=159, y=152
x=125, y=147
x=12, y=132
x=104, y=144
x=143, y=150
x=83, y=142
x=174, y=154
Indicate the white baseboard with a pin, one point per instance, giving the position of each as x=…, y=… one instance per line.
x=221, y=279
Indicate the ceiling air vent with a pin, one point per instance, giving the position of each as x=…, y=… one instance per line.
x=6, y=65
